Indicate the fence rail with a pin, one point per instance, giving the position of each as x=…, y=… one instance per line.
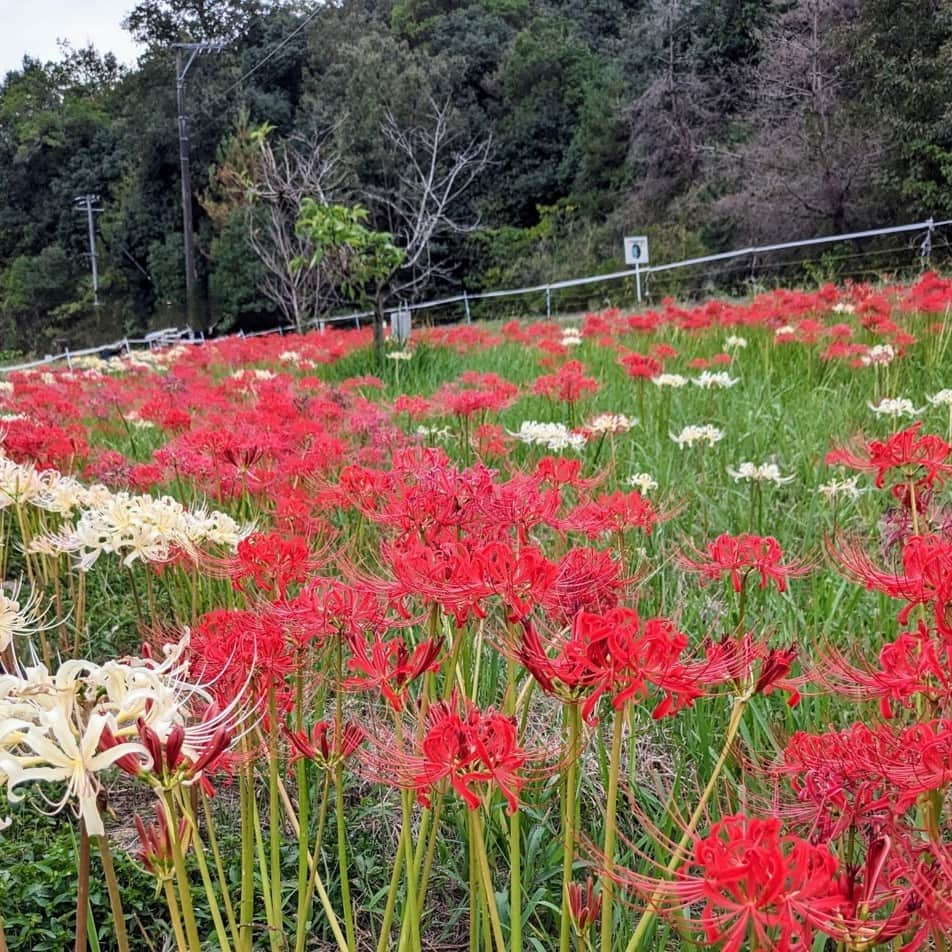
x=174, y=335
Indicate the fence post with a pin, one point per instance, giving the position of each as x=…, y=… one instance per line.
x=548, y=302
x=357, y=321
x=69, y=360
x=469, y=317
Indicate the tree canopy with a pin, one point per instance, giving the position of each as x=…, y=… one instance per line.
x=705, y=123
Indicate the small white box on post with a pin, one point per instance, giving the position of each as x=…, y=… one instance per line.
x=400, y=325
x=636, y=253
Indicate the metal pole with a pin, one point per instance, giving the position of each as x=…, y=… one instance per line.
x=638, y=282
x=469, y=317
x=548, y=302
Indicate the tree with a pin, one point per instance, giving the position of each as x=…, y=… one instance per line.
x=287, y=176
x=158, y=23
x=360, y=261
x=812, y=153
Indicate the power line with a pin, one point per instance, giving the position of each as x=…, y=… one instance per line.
x=271, y=54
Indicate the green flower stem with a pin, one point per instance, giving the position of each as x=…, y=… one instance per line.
x=339, y=806
x=82, y=889
x=262, y=866
x=572, y=718
x=614, y=767
x=115, y=900
x=383, y=942
x=199, y=850
x=174, y=915
x=410, y=936
x=220, y=868
x=342, y=856
x=424, y=880
x=181, y=875
x=647, y=917
x=515, y=883
x=313, y=860
x=477, y=842
x=304, y=804
x=276, y=920
x=247, y=898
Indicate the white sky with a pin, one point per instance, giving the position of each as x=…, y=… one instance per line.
x=34, y=26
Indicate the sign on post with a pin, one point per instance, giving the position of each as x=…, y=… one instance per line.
x=636, y=253
x=400, y=325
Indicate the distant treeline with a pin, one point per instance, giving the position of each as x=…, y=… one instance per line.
x=705, y=124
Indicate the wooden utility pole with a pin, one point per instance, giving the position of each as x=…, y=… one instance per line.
x=85, y=203
x=182, y=67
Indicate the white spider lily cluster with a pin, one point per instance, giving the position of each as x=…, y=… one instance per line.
x=140, y=528
x=847, y=486
x=879, y=356
x=553, y=436
x=698, y=434
x=53, y=724
x=895, y=407
x=764, y=473
x=643, y=482
x=710, y=380
x=571, y=337
x=609, y=423
x=734, y=342
x=135, y=526
x=941, y=399
x=669, y=380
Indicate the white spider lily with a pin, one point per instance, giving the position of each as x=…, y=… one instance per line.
x=55, y=751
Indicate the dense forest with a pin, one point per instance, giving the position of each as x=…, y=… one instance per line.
x=496, y=141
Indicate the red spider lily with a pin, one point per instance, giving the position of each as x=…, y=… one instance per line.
x=479, y=747
x=475, y=750
x=155, y=843
x=612, y=654
x=561, y=471
x=585, y=580
x=614, y=513
x=920, y=459
x=567, y=385
x=389, y=666
x=640, y=365
x=329, y=607
x=747, y=884
x=740, y=556
x=585, y=906
x=926, y=578
x=322, y=744
x=273, y=563
x=748, y=666
x=519, y=505
x=235, y=651
x=915, y=664
x=442, y=574
x=901, y=765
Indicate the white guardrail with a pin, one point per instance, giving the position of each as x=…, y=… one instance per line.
x=172, y=335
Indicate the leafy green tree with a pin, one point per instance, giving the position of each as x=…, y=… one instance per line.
x=158, y=23
x=362, y=262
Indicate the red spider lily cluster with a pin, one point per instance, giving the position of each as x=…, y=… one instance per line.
x=419, y=611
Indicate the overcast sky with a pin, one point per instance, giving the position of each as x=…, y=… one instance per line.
x=34, y=26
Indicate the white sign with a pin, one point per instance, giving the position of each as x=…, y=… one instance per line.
x=636, y=250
